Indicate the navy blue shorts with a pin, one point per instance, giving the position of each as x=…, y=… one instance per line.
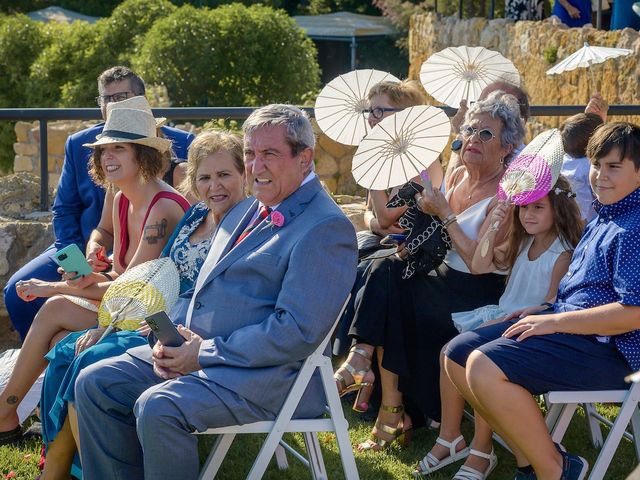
x=540, y=364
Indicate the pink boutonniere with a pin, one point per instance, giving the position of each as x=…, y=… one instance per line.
x=277, y=219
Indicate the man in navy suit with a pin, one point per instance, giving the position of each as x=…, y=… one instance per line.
x=281, y=265
x=78, y=203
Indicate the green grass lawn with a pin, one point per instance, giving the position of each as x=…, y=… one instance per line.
x=394, y=463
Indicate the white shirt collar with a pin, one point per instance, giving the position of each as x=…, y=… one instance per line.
x=307, y=179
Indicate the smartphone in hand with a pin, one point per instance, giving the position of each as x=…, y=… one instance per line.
x=71, y=259
x=393, y=239
x=425, y=181
x=164, y=329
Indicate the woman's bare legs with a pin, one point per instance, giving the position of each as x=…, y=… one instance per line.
x=514, y=411
x=63, y=448
x=72, y=415
x=57, y=315
x=60, y=454
x=452, y=410
x=360, y=362
x=459, y=377
x=391, y=397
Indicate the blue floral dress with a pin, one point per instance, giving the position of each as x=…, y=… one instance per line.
x=64, y=365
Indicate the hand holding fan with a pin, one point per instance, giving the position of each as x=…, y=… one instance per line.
x=532, y=174
x=145, y=289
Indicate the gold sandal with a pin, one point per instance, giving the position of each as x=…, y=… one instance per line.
x=364, y=388
x=397, y=433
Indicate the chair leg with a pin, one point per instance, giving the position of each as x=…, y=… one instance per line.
x=563, y=421
x=613, y=439
x=594, y=425
x=264, y=456
x=635, y=428
x=281, y=458
x=554, y=410
x=339, y=422
x=216, y=456
x=316, y=461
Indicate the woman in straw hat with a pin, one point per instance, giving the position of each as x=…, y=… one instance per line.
x=215, y=175
x=129, y=156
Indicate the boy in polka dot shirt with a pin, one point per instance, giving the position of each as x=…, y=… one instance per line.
x=589, y=339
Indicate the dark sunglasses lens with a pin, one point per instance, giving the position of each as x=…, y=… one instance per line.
x=466, y=131
x=485, y=135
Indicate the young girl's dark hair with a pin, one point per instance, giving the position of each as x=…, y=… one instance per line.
x=567, y=223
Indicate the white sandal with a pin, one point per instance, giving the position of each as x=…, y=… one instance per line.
x=430, y=463
x=468, y=473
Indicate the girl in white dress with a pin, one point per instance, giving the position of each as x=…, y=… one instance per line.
x=537, y=253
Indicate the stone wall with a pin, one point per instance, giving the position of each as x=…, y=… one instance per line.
x=528, y=45
x=24, y=234
x=333, y=160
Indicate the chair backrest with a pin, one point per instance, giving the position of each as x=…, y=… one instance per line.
x=283, y=422
x=312, y=362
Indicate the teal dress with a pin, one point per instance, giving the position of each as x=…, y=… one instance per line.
x=64, y=366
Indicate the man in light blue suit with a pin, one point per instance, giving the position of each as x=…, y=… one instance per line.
x=266, y=296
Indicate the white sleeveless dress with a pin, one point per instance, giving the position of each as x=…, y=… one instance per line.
x=526, y=287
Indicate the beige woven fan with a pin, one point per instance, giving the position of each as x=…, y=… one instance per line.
x=139, y=292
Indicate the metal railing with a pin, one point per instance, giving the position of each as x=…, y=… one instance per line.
x=45, y=115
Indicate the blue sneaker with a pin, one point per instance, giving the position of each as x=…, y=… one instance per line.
x=574, y=467
x=526, y=473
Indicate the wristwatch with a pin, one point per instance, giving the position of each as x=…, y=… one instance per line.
x=456, y=145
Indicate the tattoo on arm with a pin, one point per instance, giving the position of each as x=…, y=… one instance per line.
x=155, y=232
x=12, y=399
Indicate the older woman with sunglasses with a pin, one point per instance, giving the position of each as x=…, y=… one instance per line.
x=416, y=313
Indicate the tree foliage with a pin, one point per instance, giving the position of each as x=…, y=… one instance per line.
x=231, y=55
x=65, y=72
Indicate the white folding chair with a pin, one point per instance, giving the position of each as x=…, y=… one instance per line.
x=283, y=424
x=562, y=406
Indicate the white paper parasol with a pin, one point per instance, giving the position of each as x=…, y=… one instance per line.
x=341, y=103
x=587, y=56
x=400, y=147
x=458, y=73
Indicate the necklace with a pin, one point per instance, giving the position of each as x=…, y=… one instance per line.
x=482, y=184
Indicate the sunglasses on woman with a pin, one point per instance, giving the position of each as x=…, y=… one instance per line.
x=484, y=135
x=378, y=112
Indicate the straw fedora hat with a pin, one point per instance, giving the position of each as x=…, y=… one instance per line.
x=139, y=102
x=126, y=125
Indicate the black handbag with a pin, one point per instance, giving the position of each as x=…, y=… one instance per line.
x=427, y=240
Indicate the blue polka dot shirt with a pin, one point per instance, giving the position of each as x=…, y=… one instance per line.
x=605, y=268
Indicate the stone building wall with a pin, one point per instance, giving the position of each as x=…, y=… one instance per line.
x=528, y=45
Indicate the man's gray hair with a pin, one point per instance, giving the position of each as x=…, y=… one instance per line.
x=504, y=107
x=299, y=132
